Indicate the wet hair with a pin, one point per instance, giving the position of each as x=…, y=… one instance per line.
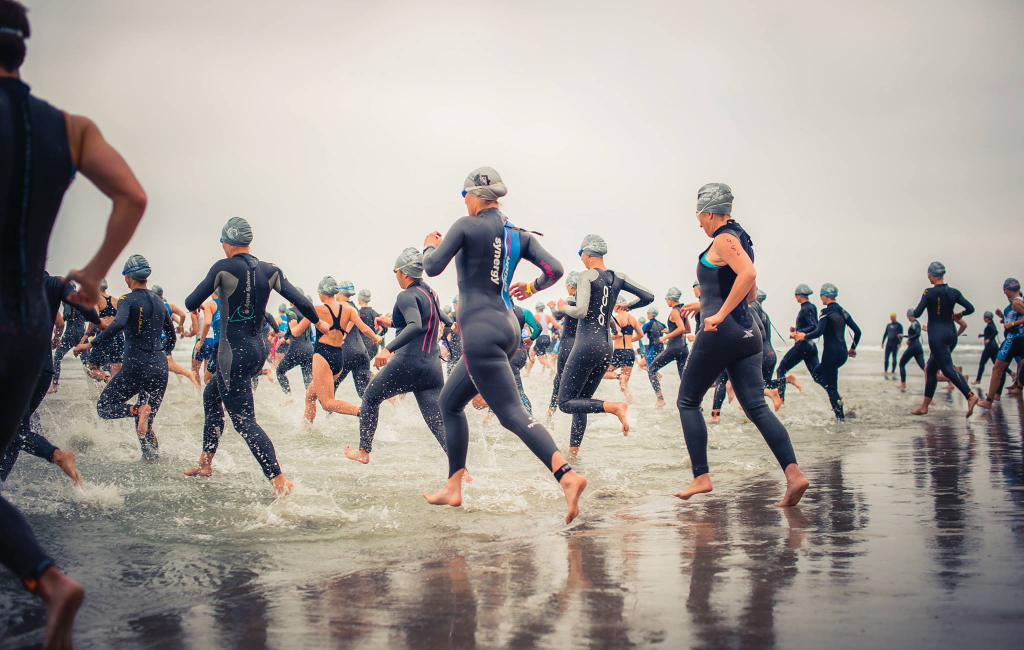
x=14, y=30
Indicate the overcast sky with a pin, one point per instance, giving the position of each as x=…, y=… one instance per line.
x=862, y=140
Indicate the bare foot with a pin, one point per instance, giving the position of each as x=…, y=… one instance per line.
x=143, y=422
x=282, y=486
x=62, y=597
x=776, y=399
x=618, y=409
x=901, y=386
x=66, y=461
x=796, y=485
x=573, y=485
x=921, y=410
x=203, y=468
x=551, y=413
x=660, y=403
x=715, y=417
x=976, y=382
x=194, y=377
x=52, y=389
x=971, y=403
x=791, y=379
x=360, y=455
x=573, y=452
x=700, y=485
x=985, y=404
x=450, y=494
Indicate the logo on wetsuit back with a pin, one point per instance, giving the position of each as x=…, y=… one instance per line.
x=496, y=269
x=748, y=334
x=604, y=306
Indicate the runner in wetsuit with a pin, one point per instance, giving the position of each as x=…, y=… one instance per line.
x=940, y=301
x=675, y=343
x=110, y=352
x=990, y=338
x=530, y=332
x=914, y=350
x=728, y=340
x=74, y=330
x=653, y=329
x=356, y=356
x=143, y=318
x=179, y=326
x=299, y=353
x=597, y=297
x=41, y=148
x=369, y=315
x=1013, y=341
x=454, y=338
x=487, y=249
x=832, y=327
x=568, y=336
x=805, y=351
x=768, y=356
x=893, y=332
x=243, y=285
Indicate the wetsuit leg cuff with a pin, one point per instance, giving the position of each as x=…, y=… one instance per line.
x=32, y=579
x=700, y=470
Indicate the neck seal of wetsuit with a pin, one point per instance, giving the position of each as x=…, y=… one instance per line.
x=829, y=290
x=803, y=290
x=715, y=198
x=485, y=183
x=410, y=262
x=236, y=232
x=137, y=268
x=937, y=270
x=1011, y=284
x=327, y=286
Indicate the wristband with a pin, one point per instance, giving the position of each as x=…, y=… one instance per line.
x=529, y=288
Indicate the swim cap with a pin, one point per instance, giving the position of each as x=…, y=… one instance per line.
x=410, y=262
x=327, y=286
x=910, y=312
x=540, y=306
x=282, y=308
x=137, y=268
x=236, y=232
x=485, y=183
x=158, y=290
x=572, y=279
x=936, y=270
x=893, y=314
x=103, y=284
x=594, y=246
x=455, y=300
x=830, y=290
x=1011, y=284
x=447, y=309
x=987, y=315
x=652, y=311
x=674, y=293
x=346, y=288
x=364, y=295
x=761, y=295
x=696, y=283
x=715, y=198
x=621, y=301
x=803, y=290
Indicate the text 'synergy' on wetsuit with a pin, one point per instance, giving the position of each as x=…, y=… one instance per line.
x=596, y=294
x=35, y=171
x=832, y=328
x=891, y=341
x=736, y=347
x=568, y=338
x=914, y=350
x=299, y=353
x=414, y=367
x=487, y=249
x=243, y=285
x=940, y=301
x=675, y=350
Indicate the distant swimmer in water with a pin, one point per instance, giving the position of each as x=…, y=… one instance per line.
x=940, y=302
x=242, y=284
x=410, y=363
x=831, y=327
x=914, y=350
x=990, y=339
x=487, y=249
x=568, y=336
x=891, y=342
x=675, y=349
x=728, y=339
x=597, y=298
x=1013, y=341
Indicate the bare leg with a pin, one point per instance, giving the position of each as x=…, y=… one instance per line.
x=62, y=597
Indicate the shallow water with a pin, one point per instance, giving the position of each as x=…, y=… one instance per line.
x=161, y=555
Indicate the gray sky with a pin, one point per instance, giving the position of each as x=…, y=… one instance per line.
x=861, y=141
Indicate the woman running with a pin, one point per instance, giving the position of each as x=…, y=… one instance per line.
x=805, y=351
x=487, y=249
x=626, y=331
x=675, y=343
x=990, y=338
x=299, y=353
x=568, y=336
x=597, y=296
x=914, y=350
x=1013, y=341
x=356, y=356
x=728, y=340
x=832, y=328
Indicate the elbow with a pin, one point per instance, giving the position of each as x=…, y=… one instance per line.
x=134, y=202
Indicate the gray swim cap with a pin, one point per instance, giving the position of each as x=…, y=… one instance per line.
x=696, y=283
x=364, y=295
x=715, y=198
x=803, y=290
x=410, y=262
x=936, y=270
x=830, y=290
x=103, y=284
x=910, y=312
x=485, y=183
x=158, y=290
x=674, y=293
x=327, y=286
x=761, y=295
x=236, y=232
x=540, y=306
x=652, y=311
x=594, y=246
x=621, y=301
x=346, y=288
x=1011, y=284
x=572, y=279
x=987, y=315
x=447, y=309
x=137, y=268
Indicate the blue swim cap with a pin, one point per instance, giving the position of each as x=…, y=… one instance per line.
x=137, y=268
x=346, y=288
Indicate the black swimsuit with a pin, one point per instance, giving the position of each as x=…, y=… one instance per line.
x=334, y=355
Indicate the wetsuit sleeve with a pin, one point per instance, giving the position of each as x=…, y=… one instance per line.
x=446, y=320
x=532, y=323
x=579, y=310
x=921, y=306
x=172, y=338
x=968, y=307
x=410, y=310
x=294, y=296
x=646, y=326
x=818, y=330
x=853, y=326
x=120, y=320
x=205, y=289
x=91, y=315
x=551, y=268
x=643, y=296
x=435, y=260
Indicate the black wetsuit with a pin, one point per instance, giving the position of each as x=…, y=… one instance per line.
x=299, y=353
x=568, y=338
x=142, y=317
x=832, y=327
x=806, y=351
x=486, y=250
x=454, y=345
x=243, y=285
x=74, y=330
x=356, y=360
x=414, y=366
x=35, y=171
x=768, y=356
x=596, y=294
x=891, y=341
x=734, y=346
x=369, y=317
x=940, y=301
x=991, y=338
x=675, y=350
x=914, y=350
x=522, y=355
x=654, y=330
x=110, y=351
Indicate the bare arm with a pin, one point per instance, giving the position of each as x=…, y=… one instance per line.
x=728, y=248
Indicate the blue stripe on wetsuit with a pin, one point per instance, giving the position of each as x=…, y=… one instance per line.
x=512, y=257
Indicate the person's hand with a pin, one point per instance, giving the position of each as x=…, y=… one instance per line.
x=551, y=304
x=1008, y=325
x=380, y=322
x=88, y=293
x=322, y=327
x=798, y=336
x=433, y=240
x=690, y=309
x=518, y=291
x=381, y=358
x=691, y=337
x=792, y=329
x=852, y=353
x=562, y=304
x=662, y=339
x=81, y=347
x=711, y=322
